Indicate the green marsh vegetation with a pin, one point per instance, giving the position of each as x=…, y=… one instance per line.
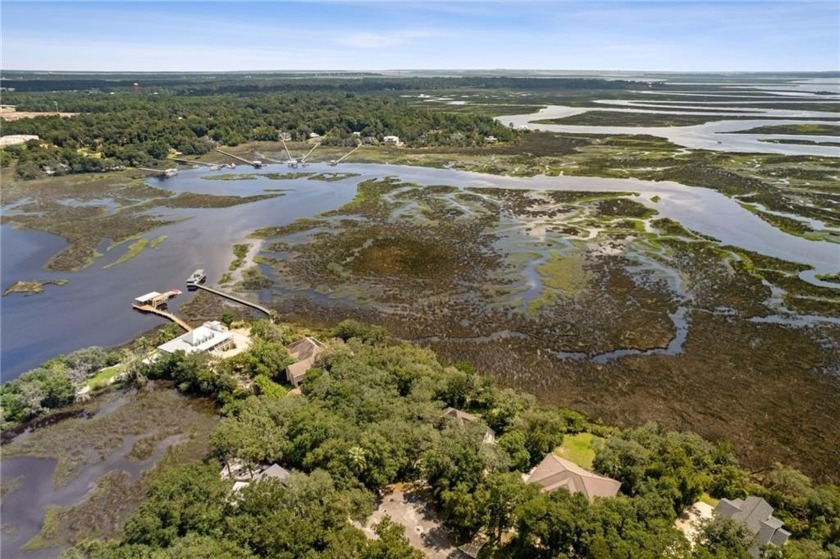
x=134, y=249
x=32, y=287
x=656, y=119
x=795, y=129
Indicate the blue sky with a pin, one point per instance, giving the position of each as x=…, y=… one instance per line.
x=669, y=35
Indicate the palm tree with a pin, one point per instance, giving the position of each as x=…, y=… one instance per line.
x=357, y=458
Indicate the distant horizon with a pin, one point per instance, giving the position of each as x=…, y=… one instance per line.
x=833, y=73
x=668, y=36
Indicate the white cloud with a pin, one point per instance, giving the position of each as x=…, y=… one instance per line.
x=371, y=40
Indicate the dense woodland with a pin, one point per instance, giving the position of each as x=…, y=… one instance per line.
x=142, y=129
x=240, y=82
x=372, y=415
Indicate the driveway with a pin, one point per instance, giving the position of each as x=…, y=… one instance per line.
x=422, y=527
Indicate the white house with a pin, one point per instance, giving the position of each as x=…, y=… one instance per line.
x=391, y=140
x=207, y=337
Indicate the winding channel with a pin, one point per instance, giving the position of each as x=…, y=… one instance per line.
x=94, y=307
x=715, y=136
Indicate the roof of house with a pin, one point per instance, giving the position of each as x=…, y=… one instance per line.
x=458, y=414
x=200, y=339
x=462, y=417
x=305, y=348
x=756, y=513
x=555, y=472
x=274, y=471
x=306, y=351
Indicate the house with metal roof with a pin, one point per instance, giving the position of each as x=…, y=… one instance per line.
x=207, y=337
x=556, y=473
x=757, y=514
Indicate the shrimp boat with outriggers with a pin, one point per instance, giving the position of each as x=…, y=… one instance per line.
x=196, y=278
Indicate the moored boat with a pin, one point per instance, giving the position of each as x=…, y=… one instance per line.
x=196, y=278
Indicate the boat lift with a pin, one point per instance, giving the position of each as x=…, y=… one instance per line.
x=292, y=162
x=165, y=173
x=335, y=162
x=256, y=164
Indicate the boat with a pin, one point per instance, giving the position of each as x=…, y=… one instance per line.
x=196, y=278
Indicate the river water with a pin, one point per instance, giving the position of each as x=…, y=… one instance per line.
x=716, y=135
x=94, y=308
x=23, y=509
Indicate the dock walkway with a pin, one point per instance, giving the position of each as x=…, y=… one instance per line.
x=236, y=299
x=170, y=316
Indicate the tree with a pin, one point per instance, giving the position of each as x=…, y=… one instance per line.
x=264, y=386
x=543, y=431
x=549, y=525
x=513, y=443
x=181, y=500
x=392, y=543
x=302, y=519
x=262, y=358
x=348, y=329
x=227, y=318
x=722, y=536
x=505, y=494
x=454, y=460
x=357, y=459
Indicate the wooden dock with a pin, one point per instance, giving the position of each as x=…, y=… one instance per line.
x=235, y=299
x=160, y=312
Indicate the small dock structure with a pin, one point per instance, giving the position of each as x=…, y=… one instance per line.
x=256, y=164
x=155, y=303
x=155, y=299
x=165, y=173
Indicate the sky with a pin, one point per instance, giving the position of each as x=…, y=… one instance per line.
x=631, y=35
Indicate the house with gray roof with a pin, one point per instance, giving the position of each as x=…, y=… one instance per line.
x=556, y=473
x=757, y=514
x=305, y=351
x=463, y=417
x=275, y=471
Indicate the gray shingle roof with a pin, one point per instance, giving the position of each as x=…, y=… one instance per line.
x=756, y=513
x=274, y=471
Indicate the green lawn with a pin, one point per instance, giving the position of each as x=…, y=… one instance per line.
x=709, y=500
x=104, y=376
x=578, y=449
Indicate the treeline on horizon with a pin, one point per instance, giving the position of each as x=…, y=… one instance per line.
x=372, y=414
x=129, y=129
x=200, y=83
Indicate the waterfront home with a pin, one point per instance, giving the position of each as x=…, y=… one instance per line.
x=305, y=351
x=556, y=473
x=757, y=514
x=207, y=337
x=464, y=417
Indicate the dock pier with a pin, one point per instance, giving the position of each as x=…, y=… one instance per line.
x=235, y=299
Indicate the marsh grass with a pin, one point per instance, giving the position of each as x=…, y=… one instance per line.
x=133, y=251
